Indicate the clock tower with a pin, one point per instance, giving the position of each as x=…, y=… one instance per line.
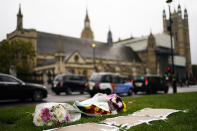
x=87, y=31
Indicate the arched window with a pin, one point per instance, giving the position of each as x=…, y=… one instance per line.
x=76, y=58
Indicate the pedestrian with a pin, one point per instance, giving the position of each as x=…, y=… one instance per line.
x=180, y=83
x=187, y=83
x=174, y=83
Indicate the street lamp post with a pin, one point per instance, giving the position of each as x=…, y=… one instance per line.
x=93, y=47
x=172, y=56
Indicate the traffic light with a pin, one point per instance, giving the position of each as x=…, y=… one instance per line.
x=169, y=69
x=166, y=74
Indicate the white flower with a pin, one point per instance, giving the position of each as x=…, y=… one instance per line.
x=113, y=100
x=50, y=123
x=120, y=104
x=56, y=112
x=37, y=120
x=60, y=113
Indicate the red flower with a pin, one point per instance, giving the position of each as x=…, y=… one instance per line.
x=45, y=114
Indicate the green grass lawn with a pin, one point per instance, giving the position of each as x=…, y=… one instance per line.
x=19, y=118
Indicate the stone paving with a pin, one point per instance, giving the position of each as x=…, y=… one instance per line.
x=143, y=116
x=89, y=127
x=115, y=124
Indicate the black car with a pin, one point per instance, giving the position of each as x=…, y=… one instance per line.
x=69, y=83
x=13, y=88
x=149, y=84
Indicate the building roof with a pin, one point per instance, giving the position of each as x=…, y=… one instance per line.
x=47, y=62
x=140, y=44
x=47, y=44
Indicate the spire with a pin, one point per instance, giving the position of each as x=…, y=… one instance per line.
x=19, y=11
x=151, y=35
x=151, y=31
x=179, y=6
x=109, y=38
x=164, y=14
x=179, y=10
x=185, y=10
x=87, y=17
x=151, y=40
x=185, y=14
x=87, y=20
x=19, y=19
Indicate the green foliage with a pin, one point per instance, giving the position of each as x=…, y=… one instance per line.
x=18, y=53
x=20, y=119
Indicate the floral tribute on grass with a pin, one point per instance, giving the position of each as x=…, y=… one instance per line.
x=49, y=114
x=101, y=104
x=116, y=103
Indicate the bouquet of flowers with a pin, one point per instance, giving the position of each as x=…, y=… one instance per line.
x=48, y=114
x=54, y=113
x=101, y=104
x=116, y=103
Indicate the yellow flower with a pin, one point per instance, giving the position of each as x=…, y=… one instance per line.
x=125, y=108
x=108, y=113
x=88, y=107
x=96, y=108
x=124, y=105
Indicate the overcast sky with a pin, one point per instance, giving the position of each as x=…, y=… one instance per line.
x=125, y=18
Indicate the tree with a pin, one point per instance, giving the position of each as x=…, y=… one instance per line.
x=16, y=53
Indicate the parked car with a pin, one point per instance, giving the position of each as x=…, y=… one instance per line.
x=14, y=88
x=149, y=84
x=108, y=83
x=190, y=82
x=69, y=83
x=124, y=85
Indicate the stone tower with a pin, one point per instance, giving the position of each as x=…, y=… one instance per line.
x=19, y=20
x=59, y=56
x=87, y=31
x=151, y=59
x=180, y=32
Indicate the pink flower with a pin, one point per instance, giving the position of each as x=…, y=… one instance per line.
x=45, y=114
x=111, y=96
x=67, y=117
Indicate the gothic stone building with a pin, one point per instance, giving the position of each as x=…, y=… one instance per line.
x=155, y=50
x=146, y=55
x=180, y=32
x=59, y=54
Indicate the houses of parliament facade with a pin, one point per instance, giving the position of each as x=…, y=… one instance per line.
x=59, y=54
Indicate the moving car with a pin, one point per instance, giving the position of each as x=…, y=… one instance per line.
x=149, y=84
x=14, y=88
x=69, y=83
x=108, y=83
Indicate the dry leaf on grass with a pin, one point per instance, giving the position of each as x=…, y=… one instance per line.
x=130, y=102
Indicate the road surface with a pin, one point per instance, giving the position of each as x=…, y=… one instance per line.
x=77, y=97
